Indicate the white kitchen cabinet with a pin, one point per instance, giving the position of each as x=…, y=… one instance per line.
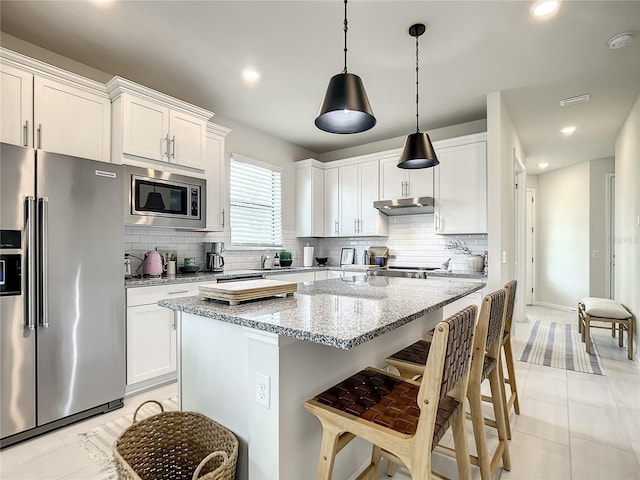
x=460, y=185
x=398, y=183
x=151, y=342
x=215, y=174
x=54, y=110
x=331, y=203
x=151, y=334
x=149, y=127
x=357, y=190
x=309, y=199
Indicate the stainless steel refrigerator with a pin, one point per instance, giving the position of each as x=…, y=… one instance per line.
x=62, y=330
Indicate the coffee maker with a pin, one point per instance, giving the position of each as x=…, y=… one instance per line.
x=214, y=261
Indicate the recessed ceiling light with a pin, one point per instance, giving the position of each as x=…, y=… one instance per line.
x=568, y=130
x=250, y=74
x=620, y=40
x=565, y=102
x=543, y=165
x=544, y=8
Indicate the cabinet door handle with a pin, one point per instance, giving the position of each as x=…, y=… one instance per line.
x=223, y=218
x=39, y=136
x=336, y=227
x=178, y=291
x=165, y=151
x=403, y=194
x=26, y=133
x=173, y=147
x=406, y=188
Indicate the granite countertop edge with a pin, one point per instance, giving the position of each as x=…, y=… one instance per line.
x=201, y=309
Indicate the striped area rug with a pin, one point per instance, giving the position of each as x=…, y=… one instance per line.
x=560, y=346
x=99, y=441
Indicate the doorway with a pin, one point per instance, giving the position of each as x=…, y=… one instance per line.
x=610, y=244
x=530, y=246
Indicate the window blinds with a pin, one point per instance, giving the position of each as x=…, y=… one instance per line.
x=256, y=203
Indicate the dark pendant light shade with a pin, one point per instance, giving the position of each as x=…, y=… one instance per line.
x=345, y=107
x=418, y=151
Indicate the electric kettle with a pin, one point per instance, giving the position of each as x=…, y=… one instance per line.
x=152, y=264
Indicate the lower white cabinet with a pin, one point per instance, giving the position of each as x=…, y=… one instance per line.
x=152, y=346
x=151, y=342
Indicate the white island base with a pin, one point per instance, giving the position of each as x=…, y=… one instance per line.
x=221, y=368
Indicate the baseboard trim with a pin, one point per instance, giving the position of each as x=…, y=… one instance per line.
x=557, y=307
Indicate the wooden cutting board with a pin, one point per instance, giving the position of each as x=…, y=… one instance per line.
x=236, y=292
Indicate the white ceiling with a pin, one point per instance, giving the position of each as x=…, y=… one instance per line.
x=195, y=50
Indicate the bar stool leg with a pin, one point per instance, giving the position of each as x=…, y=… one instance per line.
x=503, y=392
x=629, y=338
x=587, y=332
x=497, y=382
x=474, y=396
x=511, y=370
x=328, y=450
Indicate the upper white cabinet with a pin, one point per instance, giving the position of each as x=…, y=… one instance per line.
x=309, y=199
x=155, y=129
x=216, y=178
x=460, y=185
x=357, y=190
x=398, y=183
x=331, y=203
x=52, y=109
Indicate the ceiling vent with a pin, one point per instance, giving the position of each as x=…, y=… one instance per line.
x=566, y=102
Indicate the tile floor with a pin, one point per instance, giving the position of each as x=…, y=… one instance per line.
x=572, y=425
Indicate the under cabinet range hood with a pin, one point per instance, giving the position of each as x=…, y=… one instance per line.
x=405, y=206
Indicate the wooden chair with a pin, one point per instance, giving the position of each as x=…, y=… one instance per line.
x=604, y=310
x=512, y=401
x=486, y=354
x=402, y=417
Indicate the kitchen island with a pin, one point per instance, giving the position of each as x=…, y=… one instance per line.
x=252, y=366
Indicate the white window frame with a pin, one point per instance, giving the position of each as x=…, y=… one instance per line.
x=272, y=206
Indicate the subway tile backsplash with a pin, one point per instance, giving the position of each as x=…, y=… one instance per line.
x=411, y=242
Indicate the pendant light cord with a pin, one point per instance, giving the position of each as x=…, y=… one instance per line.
x=417, y=83
x=345, y=36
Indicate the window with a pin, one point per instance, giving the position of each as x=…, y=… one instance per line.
x=256, y=203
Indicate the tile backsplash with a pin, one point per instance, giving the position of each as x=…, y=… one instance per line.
x=411, y=242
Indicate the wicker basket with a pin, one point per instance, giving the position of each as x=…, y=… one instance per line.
x=175, y=445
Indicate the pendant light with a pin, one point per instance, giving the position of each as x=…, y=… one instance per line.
x=417, y=151
x=345, y=107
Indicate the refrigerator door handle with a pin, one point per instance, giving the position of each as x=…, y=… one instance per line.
x=43, y=261
x=31, y=298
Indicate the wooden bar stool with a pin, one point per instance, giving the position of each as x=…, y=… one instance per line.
x=506, y=350
x=486, y=353
x=401, y=417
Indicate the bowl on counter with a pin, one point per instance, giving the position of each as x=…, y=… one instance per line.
x=322, y=261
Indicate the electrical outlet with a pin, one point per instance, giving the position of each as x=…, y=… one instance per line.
x=263, y=389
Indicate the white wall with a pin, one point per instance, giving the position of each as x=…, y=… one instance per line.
x=627, y=238
x=502, y=144
x=452, y=131
x=562, y=256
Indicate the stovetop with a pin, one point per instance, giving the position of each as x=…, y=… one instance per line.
x=406, y=272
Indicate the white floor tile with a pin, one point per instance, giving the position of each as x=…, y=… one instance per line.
x=50, y=466
x=589, y=389
x=535, y=458
x=590, y=460
x=598, y=424
x=545, y=420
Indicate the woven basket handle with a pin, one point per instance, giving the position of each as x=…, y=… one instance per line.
x=135, y=414
x=225, y=459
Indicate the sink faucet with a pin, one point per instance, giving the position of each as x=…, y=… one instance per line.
x=263, y=260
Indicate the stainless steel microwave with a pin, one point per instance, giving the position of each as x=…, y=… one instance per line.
x=162, y=199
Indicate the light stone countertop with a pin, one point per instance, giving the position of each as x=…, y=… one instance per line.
x=341, y=313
